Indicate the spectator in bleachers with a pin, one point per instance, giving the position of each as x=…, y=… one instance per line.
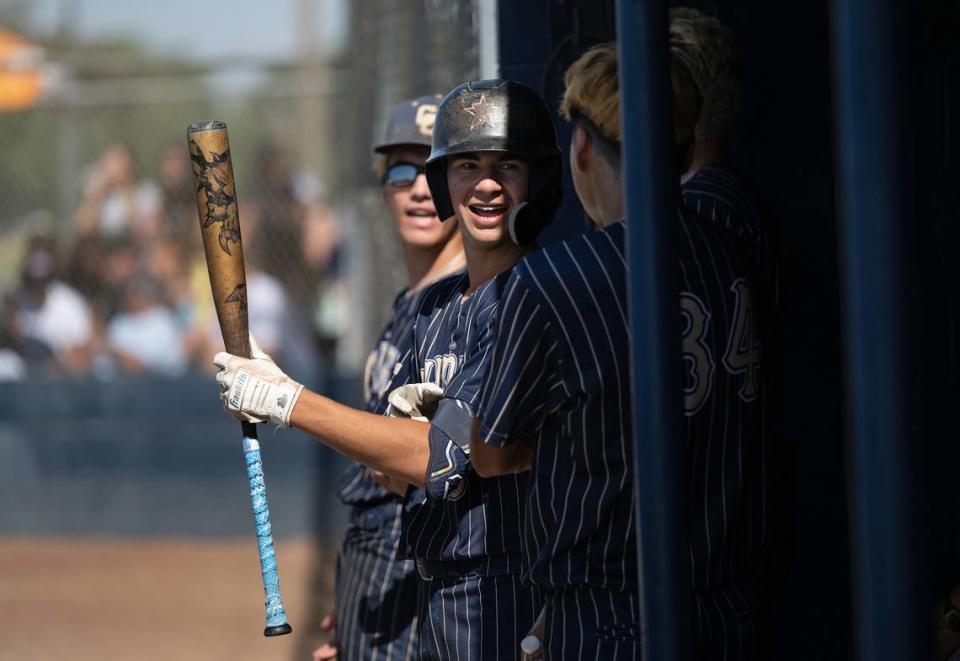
x=52, y=313
x=178, y=202
x=275, y=317
x=303, y=240
x=13, y=365
x=275, y=212
x=120, y=264
x=83, y=266
x=146, y=335
x=115, y=201
x=165, y=264
x=137, y=260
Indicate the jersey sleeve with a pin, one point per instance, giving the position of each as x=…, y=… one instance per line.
x=522, y=374
x=448, y=467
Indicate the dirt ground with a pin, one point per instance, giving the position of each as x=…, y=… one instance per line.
x=144, y=600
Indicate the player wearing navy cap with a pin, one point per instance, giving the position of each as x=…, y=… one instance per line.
x=556, y=397
x=497, y=169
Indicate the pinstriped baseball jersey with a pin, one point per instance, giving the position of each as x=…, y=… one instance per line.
x=463, y=530
x=559, y=373
x=459, y=515
x=375, y=587
x=356, y=486
x=717, y=194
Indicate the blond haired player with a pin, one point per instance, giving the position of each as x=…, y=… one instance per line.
x=560, y=375
x=711, y=186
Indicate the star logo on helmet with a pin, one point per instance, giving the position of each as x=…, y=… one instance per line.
x=479, y=110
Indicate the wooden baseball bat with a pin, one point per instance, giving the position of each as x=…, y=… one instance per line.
x=220, y=225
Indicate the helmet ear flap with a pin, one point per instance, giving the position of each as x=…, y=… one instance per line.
x=436, y=172
x=516, y=226
x=545, y=190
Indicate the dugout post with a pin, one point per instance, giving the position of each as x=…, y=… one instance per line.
x=874, y=193
x=650, y=191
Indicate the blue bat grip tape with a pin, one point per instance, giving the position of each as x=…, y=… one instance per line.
x=275, y=613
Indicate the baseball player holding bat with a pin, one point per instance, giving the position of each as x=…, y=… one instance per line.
x=559, y=375
x=495, y=166
x=374, y=587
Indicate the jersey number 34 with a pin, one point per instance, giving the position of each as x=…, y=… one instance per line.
x=741, y=357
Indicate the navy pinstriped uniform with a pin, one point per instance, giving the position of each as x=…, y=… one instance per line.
x=464, y=531
x=375, y=589
x=718, y=194
x=559, y=373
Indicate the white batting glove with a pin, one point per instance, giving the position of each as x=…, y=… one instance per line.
x=254, y=389
x=414, y=400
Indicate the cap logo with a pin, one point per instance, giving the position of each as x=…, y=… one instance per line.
x=426, y=114
x=479, y=110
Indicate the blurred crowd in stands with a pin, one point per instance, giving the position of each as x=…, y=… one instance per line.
x=125, y=289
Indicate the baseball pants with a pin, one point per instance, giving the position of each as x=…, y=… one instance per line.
x=376, y=592
x=472, y=615
x=602, y=625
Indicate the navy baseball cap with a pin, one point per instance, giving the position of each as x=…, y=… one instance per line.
x=411, y=124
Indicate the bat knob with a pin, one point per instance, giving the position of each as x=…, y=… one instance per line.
x=279, y=630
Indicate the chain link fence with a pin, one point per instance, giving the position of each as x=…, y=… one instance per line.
x=101, y=268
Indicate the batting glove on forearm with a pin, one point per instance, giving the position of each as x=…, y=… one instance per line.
x=414, y=400
x=254, y=389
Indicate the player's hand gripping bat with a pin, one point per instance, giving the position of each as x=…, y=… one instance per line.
x=220, y=225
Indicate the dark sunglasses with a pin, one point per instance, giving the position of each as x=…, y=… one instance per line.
x=402, y=175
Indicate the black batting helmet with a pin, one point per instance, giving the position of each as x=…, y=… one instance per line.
x=505, y=116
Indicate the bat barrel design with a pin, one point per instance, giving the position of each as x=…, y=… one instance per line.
x=220, y=226
x=216, y=192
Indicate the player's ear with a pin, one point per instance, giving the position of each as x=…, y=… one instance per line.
x=581, y=149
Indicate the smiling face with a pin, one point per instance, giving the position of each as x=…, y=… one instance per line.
x=484, y=188
x=411, y=206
